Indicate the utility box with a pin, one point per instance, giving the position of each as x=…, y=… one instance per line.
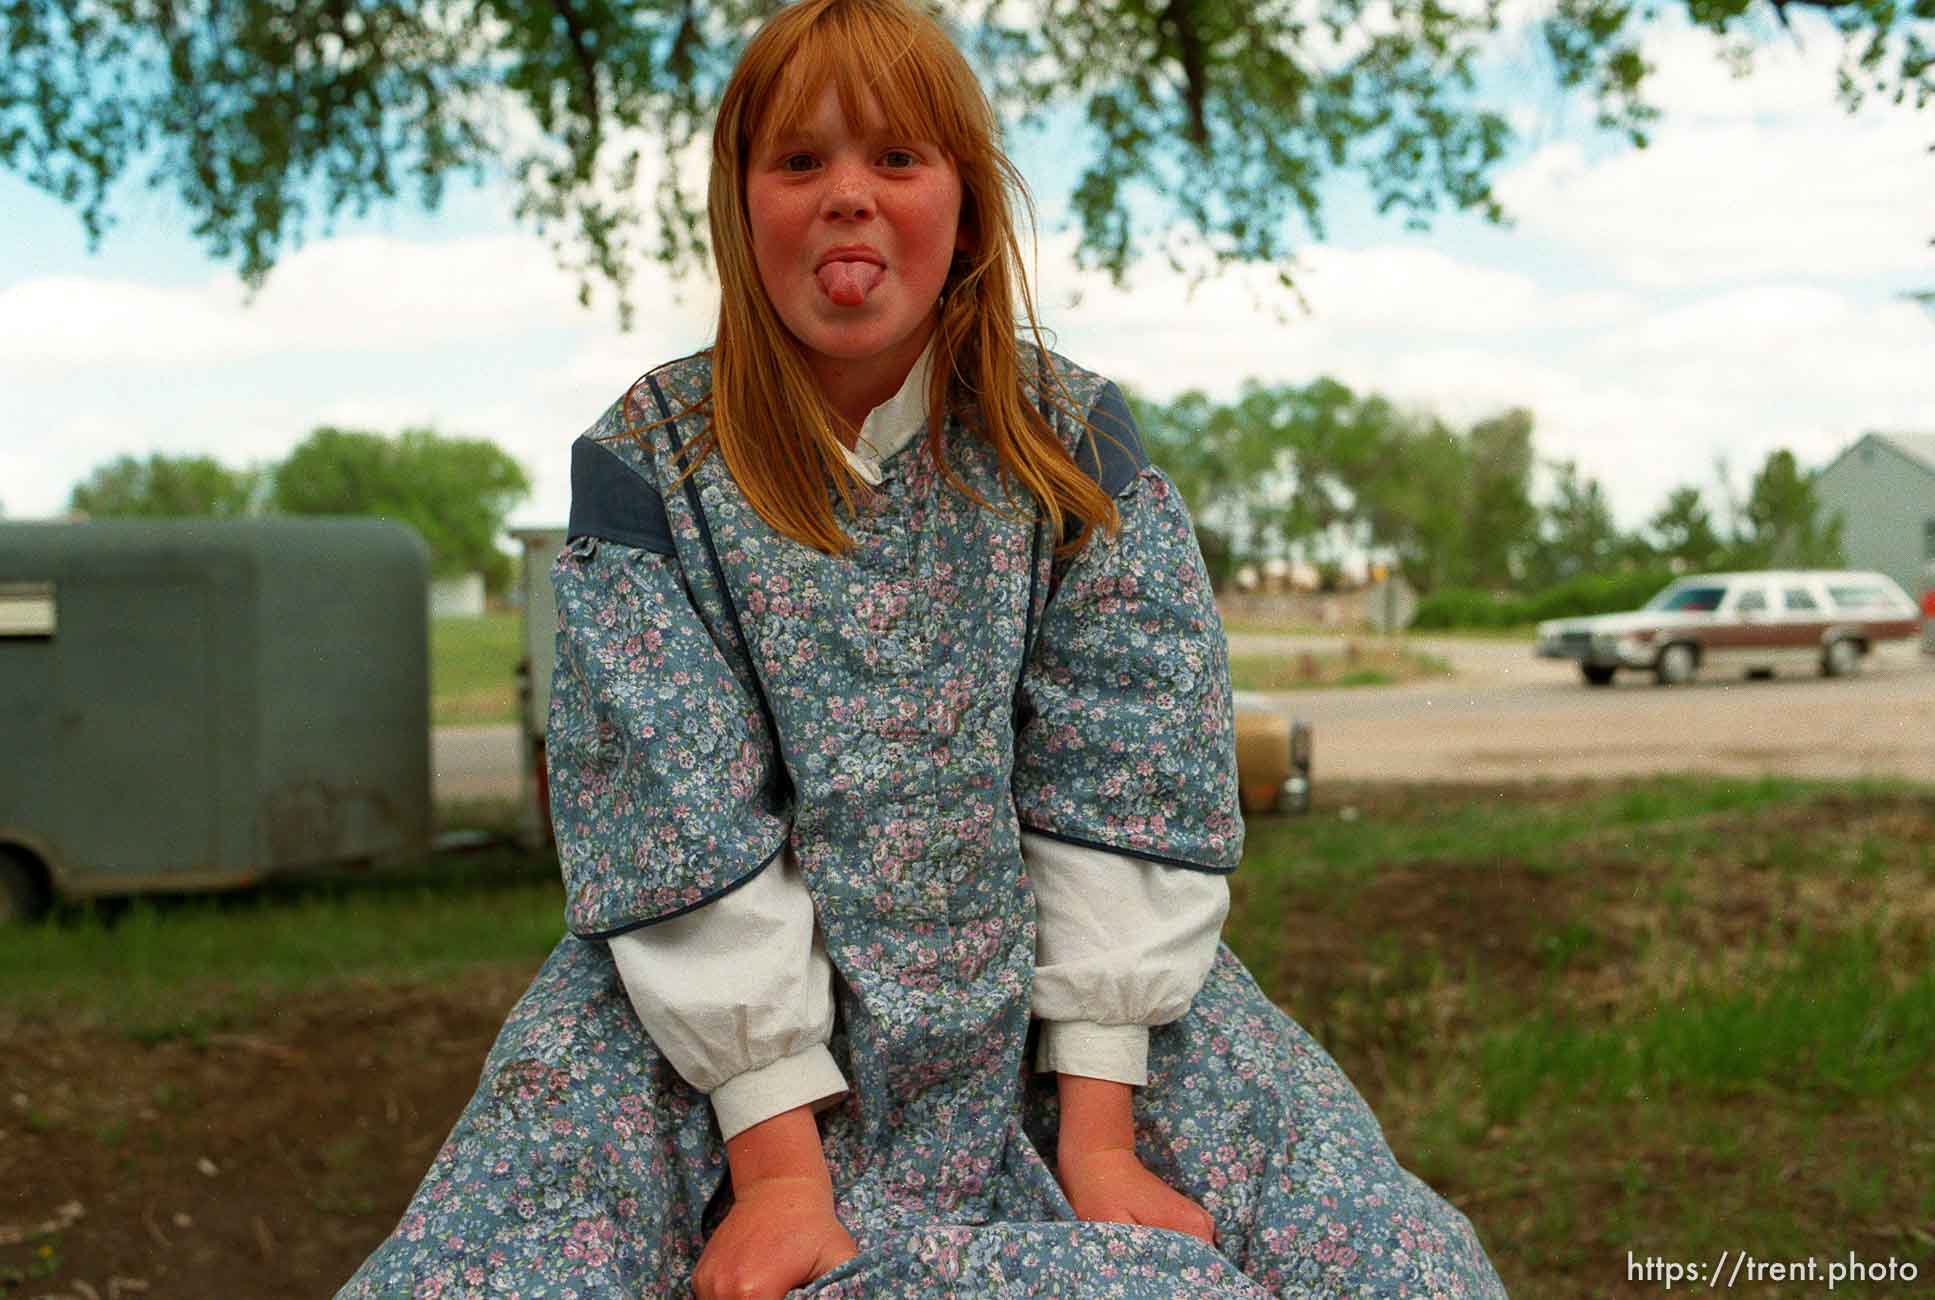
x=189, y=704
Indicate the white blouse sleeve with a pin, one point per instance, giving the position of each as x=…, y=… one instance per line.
x=1121, y=944
x=738, y=995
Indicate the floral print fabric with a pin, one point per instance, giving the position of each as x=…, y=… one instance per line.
x=659, y=758
x=1130, y=737
x=922, y=688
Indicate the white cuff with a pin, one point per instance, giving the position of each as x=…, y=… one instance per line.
x=804, y=1078
x=1116, y=1052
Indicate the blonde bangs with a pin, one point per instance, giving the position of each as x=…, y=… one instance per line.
x=766, y=415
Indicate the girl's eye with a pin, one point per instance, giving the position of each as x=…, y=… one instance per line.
x=899, y=158
x=797, y=162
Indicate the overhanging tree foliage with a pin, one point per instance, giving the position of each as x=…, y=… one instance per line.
x=1229, y=113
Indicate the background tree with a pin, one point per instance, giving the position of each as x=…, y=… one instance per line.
x=1500, y=516
x=1323, y=474
x=1683, y=531
x=1217, y=460
x=456, y=492
x=1215, y=119
x=1413, y=501
x=1782, y=521
x=1577, y=533
x=164, y=487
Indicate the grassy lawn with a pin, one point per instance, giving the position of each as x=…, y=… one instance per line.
x=1370, y=664
x=1672, y=1017
x=1677, y=1017
x=182, y=966
x=473, y=662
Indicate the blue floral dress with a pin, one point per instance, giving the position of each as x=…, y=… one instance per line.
x=898, y=715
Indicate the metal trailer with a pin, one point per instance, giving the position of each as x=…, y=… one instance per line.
x=189, y=705
x=1273, y=752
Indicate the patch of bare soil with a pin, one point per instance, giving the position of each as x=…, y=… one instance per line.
x=256, y=1165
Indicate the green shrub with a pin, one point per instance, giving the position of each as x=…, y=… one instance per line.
x=1467, y=607
x=1596, y=593
x=1589, y=593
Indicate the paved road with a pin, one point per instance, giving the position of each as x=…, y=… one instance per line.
x=1509, y=716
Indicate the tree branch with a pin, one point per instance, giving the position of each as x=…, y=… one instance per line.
x=1180, y=17
x=574, y=28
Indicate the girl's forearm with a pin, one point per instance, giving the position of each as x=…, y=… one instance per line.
x=1095, y=1115
x=785, y=1146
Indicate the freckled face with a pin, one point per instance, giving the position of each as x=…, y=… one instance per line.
x=853, y=230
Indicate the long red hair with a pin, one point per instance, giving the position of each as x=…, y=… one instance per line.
x=766, y=415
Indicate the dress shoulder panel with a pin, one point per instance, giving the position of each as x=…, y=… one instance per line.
x=1091, y=417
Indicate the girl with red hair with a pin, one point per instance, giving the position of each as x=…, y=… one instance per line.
x=893, y=780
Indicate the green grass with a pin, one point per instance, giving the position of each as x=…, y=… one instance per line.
x=1823, y=1021
x=182, y=966
x=1675, y=1016
x=473, y=665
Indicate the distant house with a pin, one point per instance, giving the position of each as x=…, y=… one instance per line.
x=1884, y=488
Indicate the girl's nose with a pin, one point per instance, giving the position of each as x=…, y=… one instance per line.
x=849, y=193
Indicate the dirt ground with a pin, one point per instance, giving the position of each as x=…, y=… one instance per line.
x=252, y=1166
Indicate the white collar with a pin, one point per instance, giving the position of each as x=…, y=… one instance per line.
x=893, y=424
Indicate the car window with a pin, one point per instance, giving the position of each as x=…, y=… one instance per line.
x=1752, y=600
x=1800, y=599
x=1859, y=596
x=1694, y=599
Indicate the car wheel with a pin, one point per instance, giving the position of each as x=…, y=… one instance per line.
x=1676, y=665
x=1842, y=657
x=1597, y=674
x=21, y=895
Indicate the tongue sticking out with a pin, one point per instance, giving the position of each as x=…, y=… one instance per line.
x=848, y=283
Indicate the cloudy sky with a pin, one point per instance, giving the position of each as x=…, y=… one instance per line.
x=1734, y=288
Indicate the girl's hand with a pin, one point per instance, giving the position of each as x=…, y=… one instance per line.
x=780, y=1233
x=1096, y=1162
x=1112, y=1186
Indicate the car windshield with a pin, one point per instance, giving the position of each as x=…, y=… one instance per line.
x=1699, y=599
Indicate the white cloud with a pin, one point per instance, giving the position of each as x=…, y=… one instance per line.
x=1791, y=73
x=338, y=295
x=475, y=336
x=1749, y=177
x=71, y=320
x=1728, y=202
